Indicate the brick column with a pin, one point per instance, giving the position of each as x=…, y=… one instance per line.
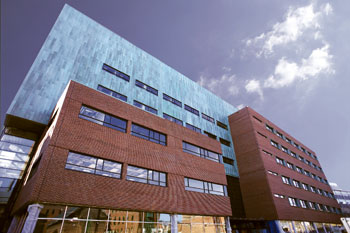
x=32, y=218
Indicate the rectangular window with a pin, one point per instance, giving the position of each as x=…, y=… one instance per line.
x=303, y=149
x=228, y=161
x=200, y=152
x=319, y=191
x=103, y=119
x=112, y=93
x=286, y=180
x=194, y=128
x=205, y=187
x=296, y=145
x=319, y=207
x=313, y=189
x=294, y=155
x=261, y=134
x=148, y=134
x=312, y=205
x=145, y=107
x=192, y=110
x=146, y=87
x=209, y=135
x=296, y=183
x=305, y=186
x=292, y=201
x=303, y=204
x=172, y=100
x=146, y=176
x=279, y=161
x=279, y=195
x=266, y=152
x=88, y=164
x=279, y=134
x=272, y=173
x=116, y=72
x=284, y=149
x=290, y=165
x=301, y=158
x=269, y=128
x=288, y=140
x=225, y=142
x=307, y=173
x=208, y=118
x=299, y=169
x=222, y=125
x=275, y=144
x=257, y=119
x=173, y=119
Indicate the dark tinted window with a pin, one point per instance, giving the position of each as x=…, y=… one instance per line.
x=192, y=110
x=102, y=118
x=145, y=107
x=173, y=119
x=148, y=134
x=172, y=100
x=116, y=72
x=112, y=93
x=201, y=152
x=194, y=128
x=146, y=87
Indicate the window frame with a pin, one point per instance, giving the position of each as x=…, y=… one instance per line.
x=116, y=72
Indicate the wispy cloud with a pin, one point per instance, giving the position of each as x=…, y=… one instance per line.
x=319, y=62
x=253, y=86
x=225, y=84
x=295, y=23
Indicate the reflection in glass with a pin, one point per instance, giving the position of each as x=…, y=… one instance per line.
x=98, y=214
x=73, y=226
x=96, y=226
x=77, y=213
x=48, y=226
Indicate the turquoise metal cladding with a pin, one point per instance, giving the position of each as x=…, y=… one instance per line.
x=76, y=49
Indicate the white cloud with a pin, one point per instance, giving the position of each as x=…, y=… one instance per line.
x=319, y=62
x=225, y=82
x=254, y=86
x=295, y=23
x=239, y=107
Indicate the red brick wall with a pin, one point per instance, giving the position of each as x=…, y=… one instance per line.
x=59, y=185
x=253, y=164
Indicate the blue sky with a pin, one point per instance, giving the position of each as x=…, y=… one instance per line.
x=288, y=60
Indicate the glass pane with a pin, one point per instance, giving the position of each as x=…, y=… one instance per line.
x=164, y=218
x=96, y=227
x=112, y=167
x=43, y=226
x=137, y=172
x=220, y=229
x=118, y=122
x=98, y=214
x=17, y=140
x=162, y=177
x=82, y=169
x=150, y=217
x=197, y=219
x=10, y=173
x=70, y=226
x=195, y=183
x=6, y=182
x=134, y=227
x=116, y=215
x=52, y=211
x=164, y=228
x=149, y=227
x=135, y=216
x=140, y=130
x=90, y=119
x=184, y=228
x=116, y=227
x=14, y=147
x=197, y=227
x=208, y=219
x=92, y=113
x=185, y=219
x=76, y=213
x=10, y=155
x=11, y=164
x=209, y=228
x=81, y=160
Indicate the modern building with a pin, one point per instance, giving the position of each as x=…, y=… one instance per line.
x=343, y=198
x=103, y=137
x=280, y=177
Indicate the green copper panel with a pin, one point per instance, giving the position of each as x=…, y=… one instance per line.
x=76, y=49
